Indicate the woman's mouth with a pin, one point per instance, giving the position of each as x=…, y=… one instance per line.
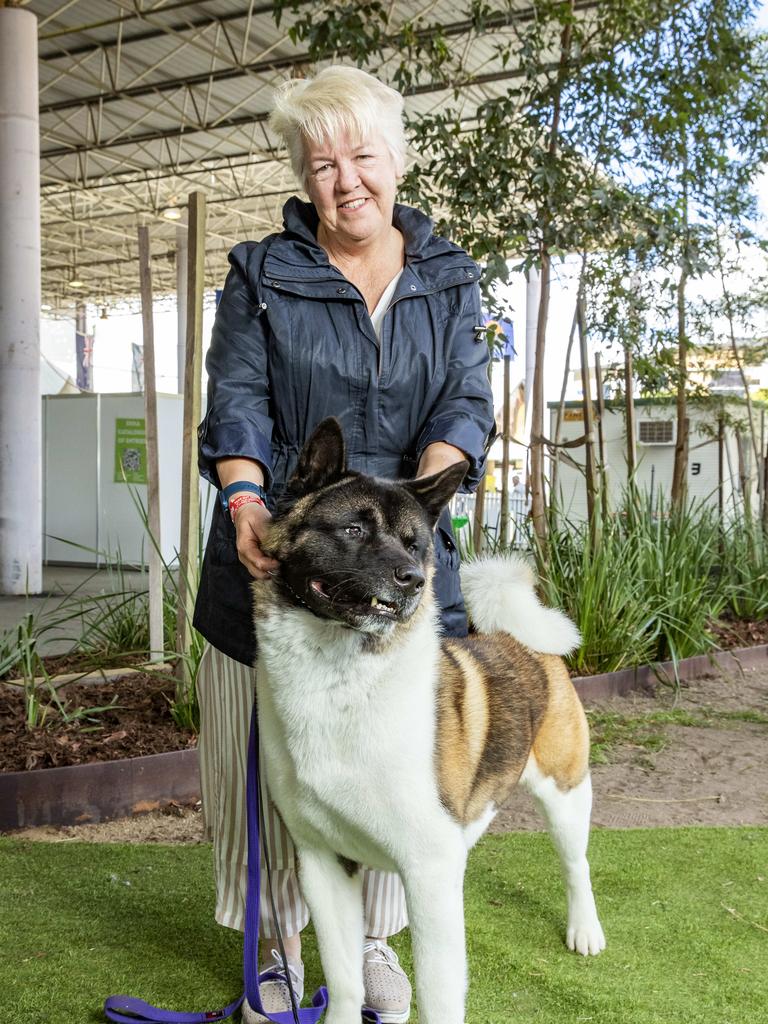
x=353, y=204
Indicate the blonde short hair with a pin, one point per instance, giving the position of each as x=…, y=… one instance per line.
x=338, y=100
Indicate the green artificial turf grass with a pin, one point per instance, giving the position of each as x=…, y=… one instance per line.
x=73, y=931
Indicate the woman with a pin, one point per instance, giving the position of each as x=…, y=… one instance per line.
x=355, y=310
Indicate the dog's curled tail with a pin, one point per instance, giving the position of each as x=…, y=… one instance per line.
x=499, y=593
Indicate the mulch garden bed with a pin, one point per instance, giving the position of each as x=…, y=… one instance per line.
x=733, y=633
x=140, y=723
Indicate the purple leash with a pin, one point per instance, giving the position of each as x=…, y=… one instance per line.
x=128, y=1010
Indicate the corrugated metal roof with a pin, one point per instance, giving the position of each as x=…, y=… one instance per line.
x=142, y=103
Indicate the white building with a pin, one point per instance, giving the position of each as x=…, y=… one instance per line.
x=720, y=452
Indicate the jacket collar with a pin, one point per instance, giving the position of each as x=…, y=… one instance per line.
x=297, y=247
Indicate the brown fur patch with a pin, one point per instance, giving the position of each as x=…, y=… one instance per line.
x=498, y=701
x=561, y=747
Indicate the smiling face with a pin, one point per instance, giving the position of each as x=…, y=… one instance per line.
x=352, y=187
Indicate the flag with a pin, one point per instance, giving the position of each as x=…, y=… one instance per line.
x=504, y=339
x=137, y=367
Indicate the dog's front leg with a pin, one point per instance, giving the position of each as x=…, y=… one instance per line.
x=435, y=897
x=333, y=890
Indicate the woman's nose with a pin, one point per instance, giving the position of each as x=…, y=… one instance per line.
x=348, y=176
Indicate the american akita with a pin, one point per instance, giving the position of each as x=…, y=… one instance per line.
x=388, y=747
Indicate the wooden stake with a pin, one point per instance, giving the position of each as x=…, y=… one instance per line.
x=504, y=517
x=156, y=641
x=189, y=542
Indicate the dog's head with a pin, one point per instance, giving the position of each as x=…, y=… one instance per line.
x=354, y=548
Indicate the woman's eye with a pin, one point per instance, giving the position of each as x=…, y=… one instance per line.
x=354, y=531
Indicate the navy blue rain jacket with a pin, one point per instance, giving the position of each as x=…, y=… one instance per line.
x=293, y=343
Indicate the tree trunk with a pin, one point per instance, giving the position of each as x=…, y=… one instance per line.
x=478, y=519
x=538, y=496
x=680, y=471
x=740, y=364
x=720, y=468
x=561, y=409
x=602, y=471
x=629, y=411
x=589, y=423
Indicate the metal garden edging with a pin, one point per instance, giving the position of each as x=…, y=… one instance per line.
x=103, y=790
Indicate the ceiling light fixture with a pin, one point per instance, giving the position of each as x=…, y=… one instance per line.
x=76, y=283
x=172, y=212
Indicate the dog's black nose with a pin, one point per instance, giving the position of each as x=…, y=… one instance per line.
x=408, y=579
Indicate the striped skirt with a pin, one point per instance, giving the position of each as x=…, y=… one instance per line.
x=225, y=690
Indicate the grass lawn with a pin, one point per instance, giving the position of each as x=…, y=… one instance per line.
x=685, y=912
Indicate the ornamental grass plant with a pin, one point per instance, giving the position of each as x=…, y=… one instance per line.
x=649, y=584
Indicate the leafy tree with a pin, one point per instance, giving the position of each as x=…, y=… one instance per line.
x=631, y=127
x=694, y=139
x=511, y=180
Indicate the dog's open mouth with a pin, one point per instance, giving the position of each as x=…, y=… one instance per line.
x=371, y=606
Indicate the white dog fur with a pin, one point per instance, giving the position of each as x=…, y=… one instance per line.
x=349, y=746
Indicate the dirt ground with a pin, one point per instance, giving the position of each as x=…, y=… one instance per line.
x=713, y=773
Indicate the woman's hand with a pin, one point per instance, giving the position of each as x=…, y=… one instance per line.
x=251, y=525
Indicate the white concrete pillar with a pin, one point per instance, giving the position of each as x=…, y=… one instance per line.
x=181, y=300
x=21, y=513
x=532, y=299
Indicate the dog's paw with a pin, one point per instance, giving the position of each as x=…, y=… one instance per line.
x=585, y=937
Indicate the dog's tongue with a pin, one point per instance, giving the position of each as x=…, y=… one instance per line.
x=317, y=586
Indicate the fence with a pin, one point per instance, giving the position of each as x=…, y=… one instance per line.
x=463, y=505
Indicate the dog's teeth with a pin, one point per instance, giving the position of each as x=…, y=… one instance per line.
x=374, y=602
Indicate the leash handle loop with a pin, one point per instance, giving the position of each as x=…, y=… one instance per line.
x=127, y=1010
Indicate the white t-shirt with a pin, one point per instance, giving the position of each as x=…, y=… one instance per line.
x=383, y=304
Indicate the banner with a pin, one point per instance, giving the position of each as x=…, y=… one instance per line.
x=130, y=451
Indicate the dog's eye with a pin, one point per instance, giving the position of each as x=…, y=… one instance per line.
x=412, y=547
x=354, y=530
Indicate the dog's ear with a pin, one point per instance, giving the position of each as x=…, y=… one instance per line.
x=434, y=492
x=322, y=460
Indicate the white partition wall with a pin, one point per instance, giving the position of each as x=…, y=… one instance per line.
x=70, y=477
x=86, y=499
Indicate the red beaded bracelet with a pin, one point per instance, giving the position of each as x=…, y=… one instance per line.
x=242, y=499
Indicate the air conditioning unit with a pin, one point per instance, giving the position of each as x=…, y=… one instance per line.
x=656, y=432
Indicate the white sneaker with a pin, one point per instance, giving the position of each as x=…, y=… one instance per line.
x=275, y=996
x=387, y=988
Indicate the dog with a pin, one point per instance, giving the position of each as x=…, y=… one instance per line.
x=387, y=746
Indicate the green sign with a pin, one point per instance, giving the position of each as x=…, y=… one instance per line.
x=130, y=452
